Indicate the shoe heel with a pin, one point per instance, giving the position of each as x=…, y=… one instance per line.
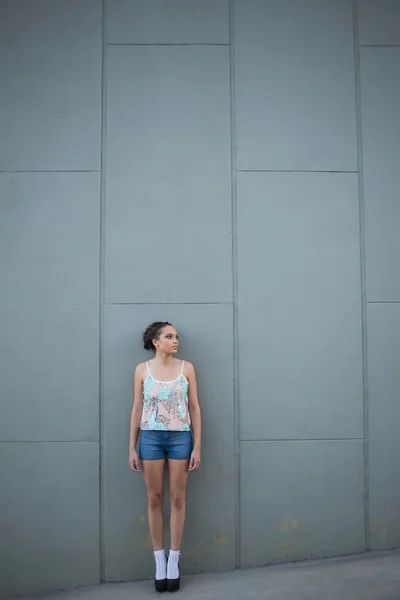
x=173, y=585
x=160, y=585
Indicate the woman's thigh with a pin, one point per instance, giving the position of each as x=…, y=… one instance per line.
x=153, y=473
x=152, y=458
x=178, y=476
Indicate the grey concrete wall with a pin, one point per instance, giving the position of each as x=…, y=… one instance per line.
x=231, y=166
x=50, y=160
x=379, y=36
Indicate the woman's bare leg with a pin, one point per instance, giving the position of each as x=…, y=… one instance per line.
x=153, y=473
x=178, y=474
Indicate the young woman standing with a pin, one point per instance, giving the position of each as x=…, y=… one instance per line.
x=166, y=411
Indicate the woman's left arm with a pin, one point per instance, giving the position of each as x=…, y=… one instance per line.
x=195, y=417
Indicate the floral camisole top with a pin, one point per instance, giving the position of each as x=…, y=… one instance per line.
x=165, y=403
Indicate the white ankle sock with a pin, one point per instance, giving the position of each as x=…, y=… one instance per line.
x=161, y=564
x=173, y=562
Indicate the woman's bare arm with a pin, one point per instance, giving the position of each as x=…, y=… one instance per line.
x=136, y=415
x=195, y=416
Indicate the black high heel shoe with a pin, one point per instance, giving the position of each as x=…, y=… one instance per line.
x=173, y=585
x=161, y=584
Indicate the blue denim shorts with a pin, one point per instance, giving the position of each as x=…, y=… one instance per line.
x=156, y=445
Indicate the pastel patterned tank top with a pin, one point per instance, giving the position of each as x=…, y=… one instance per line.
x=165, y=403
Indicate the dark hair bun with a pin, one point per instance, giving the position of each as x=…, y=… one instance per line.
x=153, y=333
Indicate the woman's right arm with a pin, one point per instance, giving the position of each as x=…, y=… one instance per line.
x=136, y=415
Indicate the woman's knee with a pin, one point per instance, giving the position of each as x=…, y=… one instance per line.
x=177, y=499
x=154, y=500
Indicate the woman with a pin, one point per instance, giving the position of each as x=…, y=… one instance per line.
x=166, y=411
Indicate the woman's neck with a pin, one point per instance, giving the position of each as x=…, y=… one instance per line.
x=163, y=359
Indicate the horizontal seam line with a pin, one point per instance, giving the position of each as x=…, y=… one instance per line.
x=306, y=440
x=166, y=44
x=56, y=171
x=291, y=171
x=379, y=45
x=383, y=301
x=49, y=441
x=168, y=303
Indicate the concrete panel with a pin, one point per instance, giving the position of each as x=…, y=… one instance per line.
x=206, y=338
x=295, y=87
x=380, y=104
x=384, y=419
x=50, y=73
x=299, y=306
x=168, y=175
x=167, y=21
x=49, y=516
x=49, y=306
x=301, y=500
x=379, y=22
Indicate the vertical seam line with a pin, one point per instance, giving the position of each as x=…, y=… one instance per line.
x=364, y=323
x=236, y=398
x=102, y=399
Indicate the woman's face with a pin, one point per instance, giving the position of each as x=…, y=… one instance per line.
x=168, y=341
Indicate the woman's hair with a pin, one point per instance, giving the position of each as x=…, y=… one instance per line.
x=153, y=332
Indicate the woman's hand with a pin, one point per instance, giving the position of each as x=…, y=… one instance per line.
x=134, y=461
x=195, y=459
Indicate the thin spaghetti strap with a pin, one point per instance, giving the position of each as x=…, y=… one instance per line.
x=183, y=364
x=148, y=368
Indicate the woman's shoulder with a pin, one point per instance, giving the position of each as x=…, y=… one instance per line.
x=188, y=367
x=141, y=368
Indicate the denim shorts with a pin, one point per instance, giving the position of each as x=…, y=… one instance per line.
x=156, y=445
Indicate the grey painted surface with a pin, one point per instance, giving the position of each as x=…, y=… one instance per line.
x=306, y=501
x=287, y=87
x=167, y=21
x=50, y=76
x=299, y=306
x=168, y=186
x=49, y=516
x=368, y=577
x=379, y=22
x=49, y=306
x=384, y=416
x=302, y=76
x=380, y=89
x=206, y=340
